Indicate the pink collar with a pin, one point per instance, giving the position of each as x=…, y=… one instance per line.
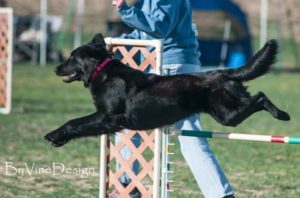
x=100, y=66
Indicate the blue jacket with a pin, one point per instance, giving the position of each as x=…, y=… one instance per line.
x=169, y=20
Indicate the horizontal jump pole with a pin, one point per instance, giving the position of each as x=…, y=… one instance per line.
x=239, y=136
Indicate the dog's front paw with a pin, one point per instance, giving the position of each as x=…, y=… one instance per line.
x=283, y=116
x=56, y=139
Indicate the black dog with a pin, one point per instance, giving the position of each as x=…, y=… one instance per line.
x=128, y=98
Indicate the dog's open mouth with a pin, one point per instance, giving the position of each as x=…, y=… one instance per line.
x=71, y=77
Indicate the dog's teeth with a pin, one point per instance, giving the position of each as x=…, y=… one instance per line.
x=72, y=75
x=68, y=77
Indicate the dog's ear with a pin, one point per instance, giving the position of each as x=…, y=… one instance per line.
x=98, y=40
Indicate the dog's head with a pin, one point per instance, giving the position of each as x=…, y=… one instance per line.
x=83, y=60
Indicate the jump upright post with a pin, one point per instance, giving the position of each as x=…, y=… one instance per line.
x=6, y=37
x=148, y=153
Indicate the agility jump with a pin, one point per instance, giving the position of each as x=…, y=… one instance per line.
x=147, y=181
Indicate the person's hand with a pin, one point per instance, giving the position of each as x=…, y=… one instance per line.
x=118, y=3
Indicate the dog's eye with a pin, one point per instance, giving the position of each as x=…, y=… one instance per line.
x=72, y=58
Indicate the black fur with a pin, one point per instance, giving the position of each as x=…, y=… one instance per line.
x=128, y=98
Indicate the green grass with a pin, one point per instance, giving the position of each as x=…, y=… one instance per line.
x=41, y=102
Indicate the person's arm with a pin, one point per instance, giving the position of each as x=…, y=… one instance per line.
x=133, y=35
x=118, y=4
x=158, y=23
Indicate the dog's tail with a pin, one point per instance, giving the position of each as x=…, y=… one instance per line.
x=258, y=65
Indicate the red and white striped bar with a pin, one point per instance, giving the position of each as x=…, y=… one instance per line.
x=245, y=137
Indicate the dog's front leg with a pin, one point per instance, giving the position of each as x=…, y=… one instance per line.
x=94, y=124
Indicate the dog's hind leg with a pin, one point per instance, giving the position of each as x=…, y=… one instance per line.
x=271, y=108
x=256, y=103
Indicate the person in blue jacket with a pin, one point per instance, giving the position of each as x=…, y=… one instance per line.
x=171, y=21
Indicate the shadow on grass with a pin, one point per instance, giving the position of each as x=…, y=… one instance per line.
x=286, y=70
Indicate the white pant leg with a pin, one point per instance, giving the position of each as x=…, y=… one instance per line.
x=197, y=152
x=202, y=162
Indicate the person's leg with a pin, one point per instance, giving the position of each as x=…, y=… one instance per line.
x=197, y=152
x=202, y=162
